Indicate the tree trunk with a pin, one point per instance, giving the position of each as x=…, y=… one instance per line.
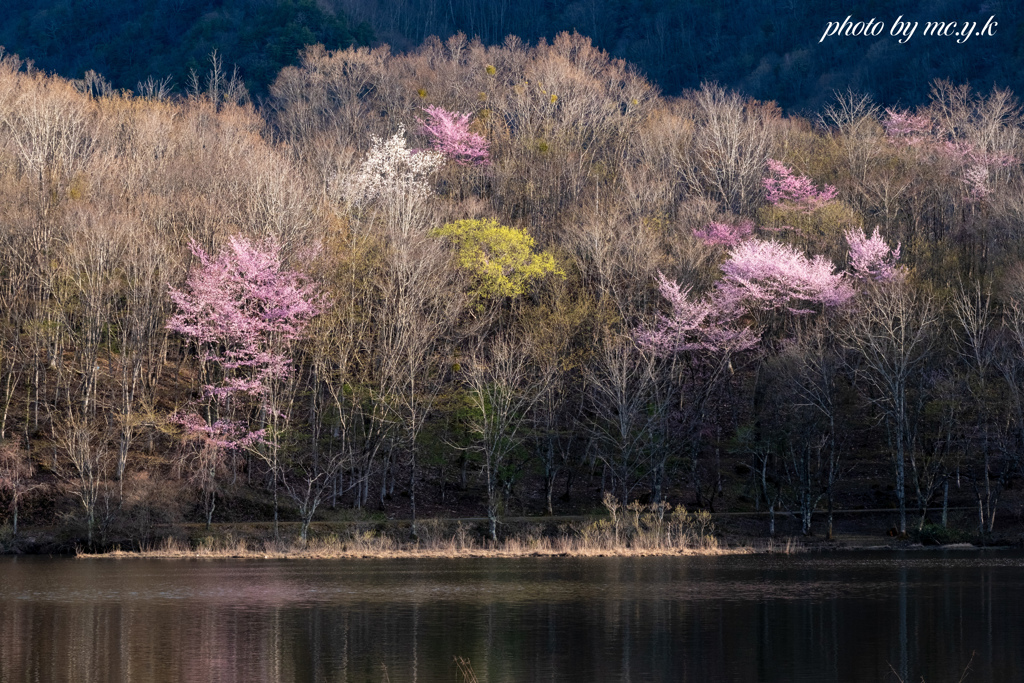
x=806, y=499
x=210, y=507
x=981, y=517
x=492, y=502
x=550, y=472
x=412, y=495
x=901, y=474
x=945, y=501
x=830, y=533
x=277, y=532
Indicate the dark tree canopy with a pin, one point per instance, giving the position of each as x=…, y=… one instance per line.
x=765, y=49
x=128, y=41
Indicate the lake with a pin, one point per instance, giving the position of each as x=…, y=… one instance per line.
x=854, y=616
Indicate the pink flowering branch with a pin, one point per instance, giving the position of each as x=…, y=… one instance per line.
x=976, y=180
x=243, y=310
x=698, y=326
x=222, y=434
x=976, y=164
x=971, y=163
x=904, y=128
x=870, y=257
x=788, y=190
x=449, y=134
x=724, y=234
x=769, y=276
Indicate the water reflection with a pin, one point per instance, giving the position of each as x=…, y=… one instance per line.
x=813, y=618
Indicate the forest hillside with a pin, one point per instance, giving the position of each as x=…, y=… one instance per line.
x=487, y=281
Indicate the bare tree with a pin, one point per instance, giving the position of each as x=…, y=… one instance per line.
x=217, y=86
x=1010, y=363
x=83, y=465
x=731, y=139
x=891, y=331
x=554, y=332
x=977, y=337
x=622, y=382
x=204, y=461
x=16, y=472
x=503, y=386
x=416, y=305
x=810, y=368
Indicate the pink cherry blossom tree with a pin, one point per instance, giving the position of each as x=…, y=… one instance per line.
x=798, y=192
x=870, y=257
x=904, y=128
x=694, y=325
x=759, y=277
x=725, y=234
x=974, y=165
x=768, y=276
x=243, y=311
x=449, y=134
x=698, y=340
x=764, y=280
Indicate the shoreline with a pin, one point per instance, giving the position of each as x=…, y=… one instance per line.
x=692, y=535
x=383, y=548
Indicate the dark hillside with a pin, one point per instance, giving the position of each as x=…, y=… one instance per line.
x=129, y=41
x=765, y=49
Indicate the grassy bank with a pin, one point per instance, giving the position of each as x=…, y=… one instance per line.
x=639, y=532
x=635, y=535
x=333, y=547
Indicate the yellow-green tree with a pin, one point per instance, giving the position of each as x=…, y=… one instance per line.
x=502, y=260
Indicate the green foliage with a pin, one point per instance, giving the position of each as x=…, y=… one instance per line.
x=502, y=260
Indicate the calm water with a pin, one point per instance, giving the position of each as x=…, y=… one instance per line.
x=843, y=617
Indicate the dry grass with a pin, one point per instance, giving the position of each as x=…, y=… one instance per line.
x=632, y=531
x=383, y=547
x=637, y=533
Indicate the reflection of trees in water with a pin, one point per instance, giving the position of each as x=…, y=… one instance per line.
x=602, y=620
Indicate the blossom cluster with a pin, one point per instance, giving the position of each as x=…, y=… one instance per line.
x=759, y=275
x=703, y=325
x=769, y=275
x=904, y=128
x=237, y=306
x=242, y=310
x=976, y=166
x=222, y=434
x=391, y=169
x=725, y=234
x=870, y=257
x=449, y=134
x=974, y=163
x=793, y=191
